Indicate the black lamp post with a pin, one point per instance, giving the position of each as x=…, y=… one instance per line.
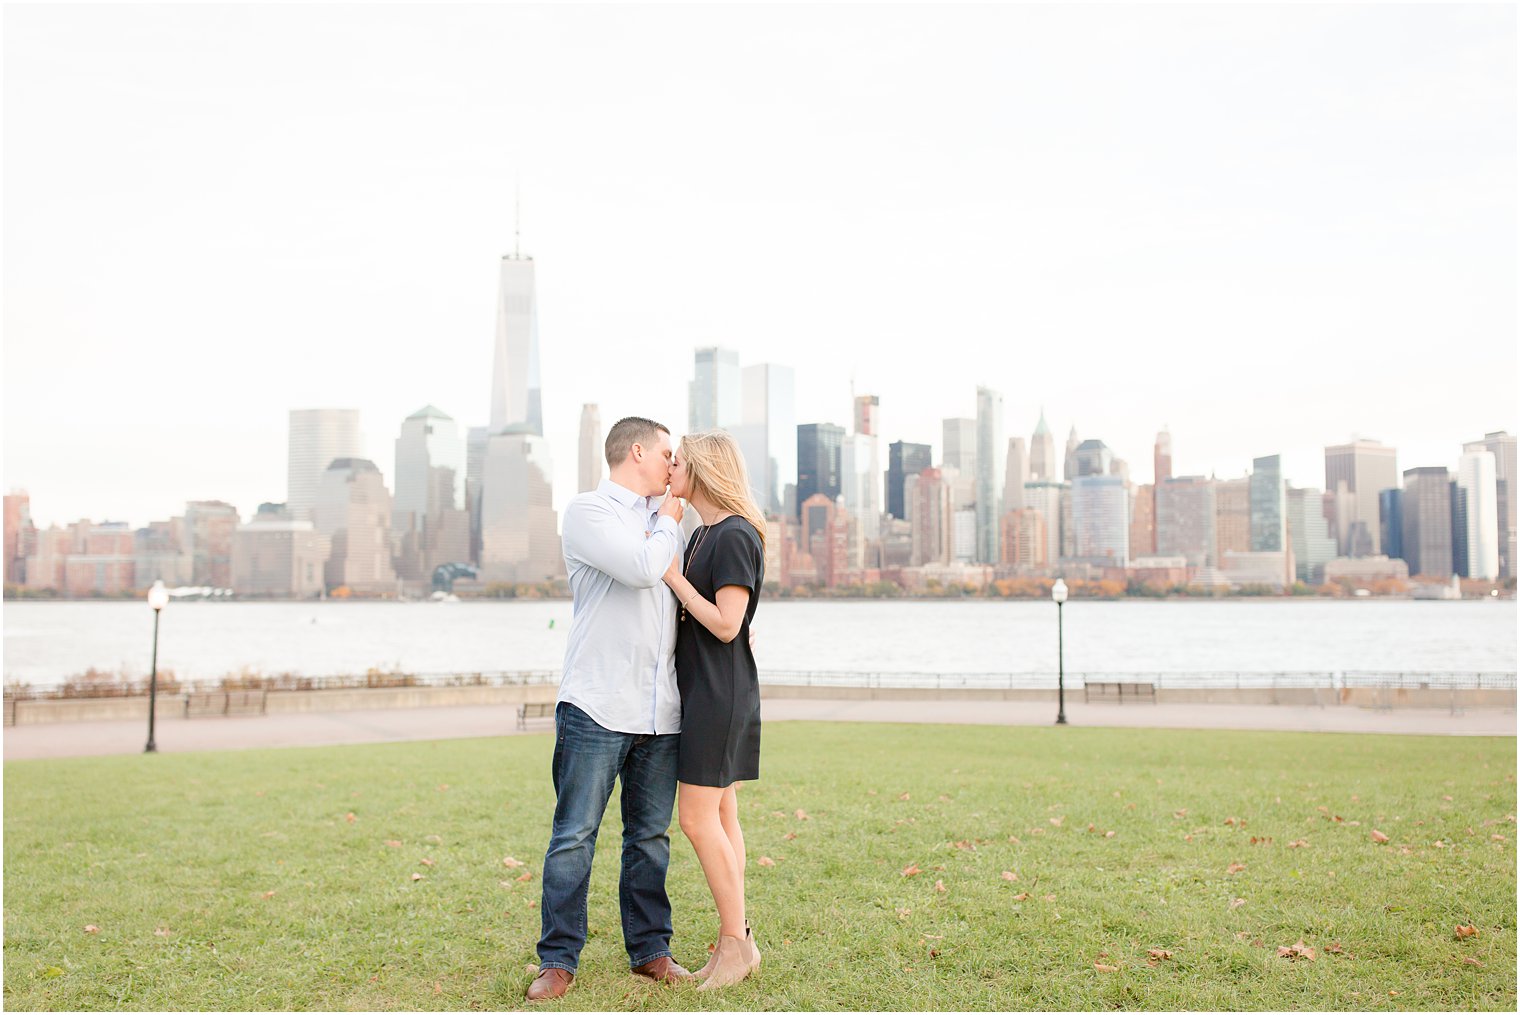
x=1058, y=593
x=158, y=598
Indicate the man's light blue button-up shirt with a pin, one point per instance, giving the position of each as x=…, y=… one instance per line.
x=620, y=661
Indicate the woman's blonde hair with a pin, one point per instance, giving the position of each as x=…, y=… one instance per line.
x=716, y=468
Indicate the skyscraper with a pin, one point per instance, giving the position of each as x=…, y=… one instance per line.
x=1502, y=445
x=592, y=456
x=1142, y=522
x=768, y=435
x=1356, y=472
x=991, y=466
x=1185, y=520
x=860, y=478
x=1162, y=457
x=1426, y=505
x=904, y=460
x=1391, y=511
x=1100, y=516
x=430, y=468
x=716, y=391
x=516, y=399
x=429, y=517
x=867, y=408
x=519, y=537
x=316, y=438
x=1093, y=458
x=209, y=527
x=1015, y=475
x=1045, y=499
x=1476, y=478
x=1069, y=469
x=933, y=523
x=1313, y=545
x=353, y=511
x=959, y=445
x=1268, y=505
x=1232, y=518
x=820, y=462
x=1042, y=453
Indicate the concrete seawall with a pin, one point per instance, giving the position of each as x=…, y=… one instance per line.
x=171, y=708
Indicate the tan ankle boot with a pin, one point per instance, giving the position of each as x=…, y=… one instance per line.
x=712, y=960
x=730, y=966
x=751, y=950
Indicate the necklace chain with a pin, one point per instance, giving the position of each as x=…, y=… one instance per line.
x=691, y=557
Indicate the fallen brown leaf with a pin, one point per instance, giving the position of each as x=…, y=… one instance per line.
x=766, y=861
x=911, y=870
x=1050, y=898
x=426, y=862
x=1235, y=868
x=393, y=843
x=90, y=928
x=789, y=836
x=801, y=814
x=1110, y=834
x=524, y=876
x=511, y=862
x=416, y=876
x=1015, y=840
x=1469, y=960
x=1100, y=967
x=1465, y=931
x=1237, y=903
x=1296, y=843
x=1180, y=814
x=1159, y=953
x=1298, y=950
x=350, y=817
x=902, y=914
x=1057, y=821
x=964, y=844
x=1265, y=840
x=939, y=886
x=269, y=895
x=905, y=796
x=1021, y=897
x=1378, y=836
x=1010, y=876
x=161, y=932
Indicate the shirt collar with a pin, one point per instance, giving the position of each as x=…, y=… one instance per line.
x=624, y=496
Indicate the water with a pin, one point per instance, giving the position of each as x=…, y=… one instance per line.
x=46, y=642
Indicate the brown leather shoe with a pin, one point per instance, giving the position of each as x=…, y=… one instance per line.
x=663, y=970
x=550, y=984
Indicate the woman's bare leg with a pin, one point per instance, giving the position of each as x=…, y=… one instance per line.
x=703, y=825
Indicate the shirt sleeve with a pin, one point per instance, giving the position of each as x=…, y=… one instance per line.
x=738, y=559
x=595, y=535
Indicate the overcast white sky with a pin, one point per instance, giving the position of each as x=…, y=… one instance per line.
x=1268, y=227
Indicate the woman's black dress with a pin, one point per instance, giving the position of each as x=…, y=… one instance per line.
x=720, y=686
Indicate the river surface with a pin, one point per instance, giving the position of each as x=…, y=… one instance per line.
x=46, y=642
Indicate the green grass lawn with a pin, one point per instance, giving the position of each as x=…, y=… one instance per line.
x=285, y=879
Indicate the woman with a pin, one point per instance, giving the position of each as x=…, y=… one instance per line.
x=718, y=585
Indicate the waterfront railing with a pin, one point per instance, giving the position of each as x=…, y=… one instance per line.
x=1335, y=680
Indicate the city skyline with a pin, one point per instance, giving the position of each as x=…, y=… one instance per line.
x=1244, y=286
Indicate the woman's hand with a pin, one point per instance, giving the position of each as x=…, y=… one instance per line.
x=673, y=571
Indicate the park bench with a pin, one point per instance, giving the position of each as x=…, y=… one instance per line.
x=533, y=710
x=199, y=704
x=1119, y=691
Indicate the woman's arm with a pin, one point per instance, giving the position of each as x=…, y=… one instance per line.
x=723, y=618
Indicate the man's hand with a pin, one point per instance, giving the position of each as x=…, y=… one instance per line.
x=673, y=508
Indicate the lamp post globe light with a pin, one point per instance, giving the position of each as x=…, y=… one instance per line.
x=158, y=598
x=1058, y=593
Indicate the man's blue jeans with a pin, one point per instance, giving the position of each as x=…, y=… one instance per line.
x=587, y=759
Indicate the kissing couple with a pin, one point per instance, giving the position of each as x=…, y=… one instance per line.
x=660, y=691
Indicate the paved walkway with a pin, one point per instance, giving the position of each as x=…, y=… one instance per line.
x=62, y=740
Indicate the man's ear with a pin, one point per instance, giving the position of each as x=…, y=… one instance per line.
x=637, y=450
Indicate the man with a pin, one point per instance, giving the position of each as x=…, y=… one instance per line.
x=619, y=714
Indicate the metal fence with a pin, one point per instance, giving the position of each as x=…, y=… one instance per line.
x=1161, y=680
x=1199, y=679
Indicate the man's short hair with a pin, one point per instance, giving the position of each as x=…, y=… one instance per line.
x=627, y=432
